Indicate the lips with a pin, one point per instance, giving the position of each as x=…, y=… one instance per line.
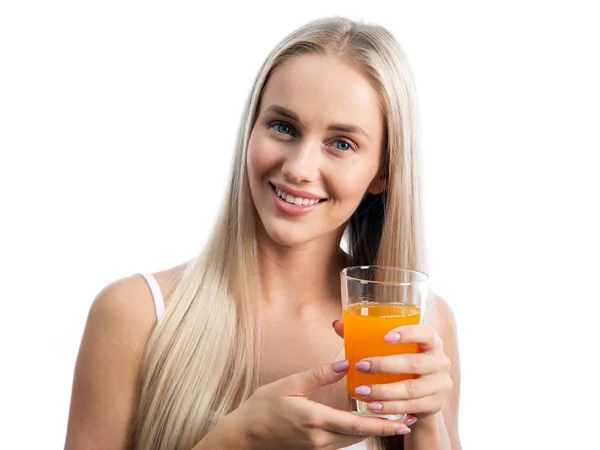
x=296, y=192
x=296, y=200
x=295, y=206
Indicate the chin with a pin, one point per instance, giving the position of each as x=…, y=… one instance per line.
x=287, y=236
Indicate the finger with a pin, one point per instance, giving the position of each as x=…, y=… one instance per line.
x=423, y=335
x=338, y=326
x=343, y=422
x=407, y=389
x=406, y=363
x=304, y=382
x=412, y=406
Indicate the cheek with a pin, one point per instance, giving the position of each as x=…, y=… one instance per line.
x=261, y=157
x=351, y=185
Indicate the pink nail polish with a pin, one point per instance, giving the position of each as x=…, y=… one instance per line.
x=403, y=431
x=363, y=391
x=392, y=338
x=363, y=366
x=410, y=421
x=340, y=366
x=375, y=406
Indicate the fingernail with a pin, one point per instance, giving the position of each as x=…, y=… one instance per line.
x=375, y=406
x=333, y=323
x=341, y=366
x=403, y=431
x=410, y=421
x=392, y=337
x=363, y=366
x=362, y=391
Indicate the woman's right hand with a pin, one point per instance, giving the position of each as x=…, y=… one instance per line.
x=279, y=415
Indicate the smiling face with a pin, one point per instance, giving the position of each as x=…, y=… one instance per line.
x=315, y=150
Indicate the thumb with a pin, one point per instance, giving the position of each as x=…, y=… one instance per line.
x=304, y=382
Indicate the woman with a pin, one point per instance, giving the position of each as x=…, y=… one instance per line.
x=243, y=355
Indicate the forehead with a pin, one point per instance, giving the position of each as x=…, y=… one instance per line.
x=325, y=89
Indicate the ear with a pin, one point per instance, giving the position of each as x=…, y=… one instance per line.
x=378, y=185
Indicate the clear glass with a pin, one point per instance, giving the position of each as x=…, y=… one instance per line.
x=375, y=300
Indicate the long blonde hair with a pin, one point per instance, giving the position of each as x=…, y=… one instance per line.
x=201, y=360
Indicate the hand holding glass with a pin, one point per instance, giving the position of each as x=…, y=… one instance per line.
x=375, y=300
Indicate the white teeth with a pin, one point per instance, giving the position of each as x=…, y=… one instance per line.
x=295, y=200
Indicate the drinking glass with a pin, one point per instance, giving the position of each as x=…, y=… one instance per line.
x=375, y=300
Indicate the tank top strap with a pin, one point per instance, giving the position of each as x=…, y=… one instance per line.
x=159, y=302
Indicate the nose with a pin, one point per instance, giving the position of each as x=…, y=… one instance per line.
x=301, y=164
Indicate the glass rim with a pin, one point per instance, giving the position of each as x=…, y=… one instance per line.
x=345, y=270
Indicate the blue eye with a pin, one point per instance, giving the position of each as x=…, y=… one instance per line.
x=282, y=128
x=343, y=145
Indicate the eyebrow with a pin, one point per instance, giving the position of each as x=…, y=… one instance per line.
x=350, y=129
x=282, y=111
x=335, y=127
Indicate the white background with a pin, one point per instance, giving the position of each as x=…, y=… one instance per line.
x=117, y=123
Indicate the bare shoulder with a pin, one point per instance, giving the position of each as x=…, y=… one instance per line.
x=105, y=384
x=124, y=301
x=126, y=310
x=441, y=318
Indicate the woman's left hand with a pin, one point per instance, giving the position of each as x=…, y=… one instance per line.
x=422, y=396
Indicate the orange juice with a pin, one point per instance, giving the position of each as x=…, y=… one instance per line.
x=365, y=325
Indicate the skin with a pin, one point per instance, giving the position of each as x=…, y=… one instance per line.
x=301, y=396
x=305, y=155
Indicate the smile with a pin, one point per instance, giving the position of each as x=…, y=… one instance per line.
x=295, y=200
x=294, y=205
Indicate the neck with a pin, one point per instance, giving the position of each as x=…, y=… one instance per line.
x=297, y=277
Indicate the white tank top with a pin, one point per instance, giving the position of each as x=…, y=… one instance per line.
x=159, y=307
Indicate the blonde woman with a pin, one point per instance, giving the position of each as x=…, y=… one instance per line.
x=236, y=349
